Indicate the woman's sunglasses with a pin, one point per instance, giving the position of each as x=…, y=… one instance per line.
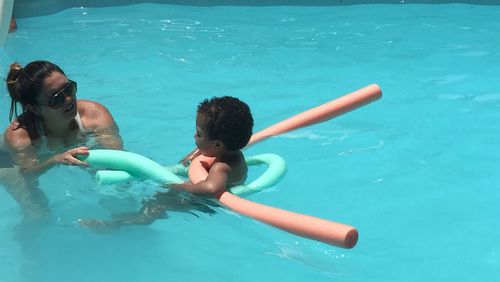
x=58, y=99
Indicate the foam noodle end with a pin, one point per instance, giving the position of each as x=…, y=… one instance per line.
x=351, y=238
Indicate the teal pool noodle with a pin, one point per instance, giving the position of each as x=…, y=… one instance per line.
x=108, y=177
x=128, y=166
x=134, y=164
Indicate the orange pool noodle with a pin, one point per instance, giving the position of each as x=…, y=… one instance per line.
x=326, y=231
x=321, y=113
x=333, y=233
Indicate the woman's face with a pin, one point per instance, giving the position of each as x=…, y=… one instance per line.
x=206, y=145
x=57, y=98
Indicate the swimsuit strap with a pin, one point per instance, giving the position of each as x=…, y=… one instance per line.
x=79, y=122
x=43, y=137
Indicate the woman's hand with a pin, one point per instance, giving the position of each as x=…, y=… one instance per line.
x=69, y=157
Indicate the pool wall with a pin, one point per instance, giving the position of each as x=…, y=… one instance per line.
x=5, y=13
x=33, y=8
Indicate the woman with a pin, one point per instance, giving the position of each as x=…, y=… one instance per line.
x=52, y=128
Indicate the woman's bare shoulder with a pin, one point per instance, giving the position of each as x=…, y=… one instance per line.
x=16, y=137
x=93, y=114
x=91, y=108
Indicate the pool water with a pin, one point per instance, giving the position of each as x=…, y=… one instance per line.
x=415, y=172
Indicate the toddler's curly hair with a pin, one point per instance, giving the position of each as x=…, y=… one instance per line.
x=228, y=120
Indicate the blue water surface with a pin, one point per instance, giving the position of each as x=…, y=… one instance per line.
x=414, y=172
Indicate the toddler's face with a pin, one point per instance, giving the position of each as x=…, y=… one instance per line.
x=203, y=142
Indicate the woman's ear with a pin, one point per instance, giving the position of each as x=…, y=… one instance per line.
x=33, y=109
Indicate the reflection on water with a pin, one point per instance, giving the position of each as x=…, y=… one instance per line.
x=153, y=208
x=49, y=236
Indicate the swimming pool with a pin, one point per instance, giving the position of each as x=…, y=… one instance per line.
x=416, y=172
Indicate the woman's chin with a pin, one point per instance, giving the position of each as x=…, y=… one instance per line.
x=71, y=111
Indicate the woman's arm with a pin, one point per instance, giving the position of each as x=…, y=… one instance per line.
x=97, y=118
x=26, y=157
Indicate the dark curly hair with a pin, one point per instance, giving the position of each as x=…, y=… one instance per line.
x=24, y=84
x=228, y=120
